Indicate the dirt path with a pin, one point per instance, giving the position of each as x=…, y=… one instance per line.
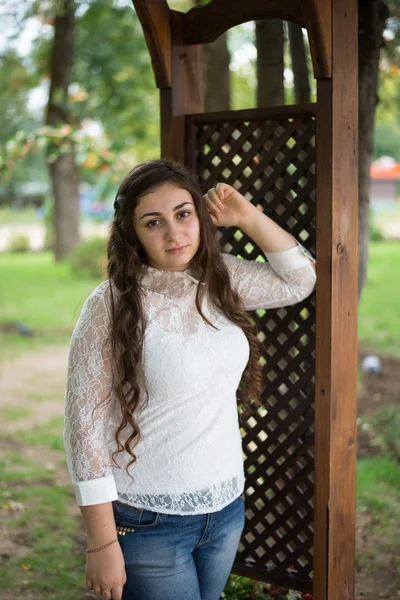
x=34, y=382
x=32, y=389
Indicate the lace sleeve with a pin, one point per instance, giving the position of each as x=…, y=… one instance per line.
x=287, y=278
x=89, y=382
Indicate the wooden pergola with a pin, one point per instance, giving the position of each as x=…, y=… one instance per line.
x=300, y=164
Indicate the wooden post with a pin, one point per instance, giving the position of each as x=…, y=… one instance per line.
x=178, y=72
x=336, y=312
x=186, y=94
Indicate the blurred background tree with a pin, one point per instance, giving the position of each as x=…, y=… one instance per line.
x=112, y=86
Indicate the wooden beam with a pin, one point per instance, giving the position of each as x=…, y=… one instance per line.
x=154, y=16
x=186, y=94
x=336, y=312
x=318, y=19
x=228, y=116
x=204, y=24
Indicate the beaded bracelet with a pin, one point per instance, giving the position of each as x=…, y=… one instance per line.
x=102, y=547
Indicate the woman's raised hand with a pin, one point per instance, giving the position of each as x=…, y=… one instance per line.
x=227, y=207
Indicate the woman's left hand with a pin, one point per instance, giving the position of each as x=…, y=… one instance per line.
x=227, y=207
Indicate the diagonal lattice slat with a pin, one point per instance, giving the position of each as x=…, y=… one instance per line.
x=271, y=162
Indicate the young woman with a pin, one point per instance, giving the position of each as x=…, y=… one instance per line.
x=156, y=359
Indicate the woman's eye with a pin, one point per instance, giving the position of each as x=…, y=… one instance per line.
x=151, y=223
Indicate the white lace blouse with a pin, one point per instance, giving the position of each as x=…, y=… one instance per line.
x=189, y=459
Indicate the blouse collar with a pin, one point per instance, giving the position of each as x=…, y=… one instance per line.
x=169, y=283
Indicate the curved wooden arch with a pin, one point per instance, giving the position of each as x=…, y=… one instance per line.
x=318, y=19
x=205, y=24
x=155, y=17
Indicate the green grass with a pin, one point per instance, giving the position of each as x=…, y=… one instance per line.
x=378, y=492
x=15, y=413
x=13, y=345
x=14, y=468
x=41, y=294
x=40, y=396
x=385, y=427
x=26, y=216
x=379, y=314
x=378, y=482
x=53, y=566
x=49, y=434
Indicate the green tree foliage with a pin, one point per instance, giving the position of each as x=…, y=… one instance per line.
x=387, y=131
x=15, y=84
x=387, y=140
x=113, y=82
x=113, y=66
x=241, y=45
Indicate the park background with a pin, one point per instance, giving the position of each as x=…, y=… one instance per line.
x=107, y=120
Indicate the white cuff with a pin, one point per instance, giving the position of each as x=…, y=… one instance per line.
x=95, y=491
x=293, y=258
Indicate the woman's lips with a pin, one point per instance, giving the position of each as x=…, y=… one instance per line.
x=177, y=250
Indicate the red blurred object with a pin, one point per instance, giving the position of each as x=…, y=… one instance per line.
x=382, y=170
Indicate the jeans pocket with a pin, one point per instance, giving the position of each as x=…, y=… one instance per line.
x=132, y=517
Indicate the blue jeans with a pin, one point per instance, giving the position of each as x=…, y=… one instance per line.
x=178, y=557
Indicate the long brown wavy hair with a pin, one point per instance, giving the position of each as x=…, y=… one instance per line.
x=126, y=260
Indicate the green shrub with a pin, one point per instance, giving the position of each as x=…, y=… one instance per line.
x=89, y=259
x=242, y=588
x=386, y=427
x=19, y=243
x=375, y=231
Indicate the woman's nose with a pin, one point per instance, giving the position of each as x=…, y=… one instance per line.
x=172, y=230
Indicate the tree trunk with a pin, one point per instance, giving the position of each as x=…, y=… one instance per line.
x=63, y=170
x=270, y=66
x=372, y=18
x=299, y=64
x=216, y=59
x=216, y=73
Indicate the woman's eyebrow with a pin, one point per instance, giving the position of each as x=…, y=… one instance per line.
x=157, y=214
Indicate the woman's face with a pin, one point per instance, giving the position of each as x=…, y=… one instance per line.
x=166, y=218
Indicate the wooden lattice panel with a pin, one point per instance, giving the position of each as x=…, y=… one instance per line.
x=271, y=161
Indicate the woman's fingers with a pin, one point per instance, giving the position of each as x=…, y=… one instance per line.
x=211, y=206
x=213, y=201
x=214, y=197
x=220, y=189
x=117, y=592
